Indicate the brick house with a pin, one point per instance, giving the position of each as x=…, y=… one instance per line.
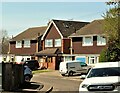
x=88, y=42
x=56, y=44
x=26, y=44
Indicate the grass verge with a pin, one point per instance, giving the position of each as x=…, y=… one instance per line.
x=41, y=71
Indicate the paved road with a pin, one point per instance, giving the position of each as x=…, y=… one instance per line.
x=58, y=82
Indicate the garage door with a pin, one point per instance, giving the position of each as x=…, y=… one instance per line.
x=81, y=58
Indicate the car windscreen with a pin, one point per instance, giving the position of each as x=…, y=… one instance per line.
x=82, y=64
x=103, y=72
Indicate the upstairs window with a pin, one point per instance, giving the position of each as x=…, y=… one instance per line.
x=49, y=43
x=57, y=42
x=26, y=43
x=18, y=44
x=101, y=40
x=88, y=41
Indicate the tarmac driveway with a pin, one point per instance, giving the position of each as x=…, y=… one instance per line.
x=58, y=82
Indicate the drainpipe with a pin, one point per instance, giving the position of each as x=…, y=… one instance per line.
x=71, y=52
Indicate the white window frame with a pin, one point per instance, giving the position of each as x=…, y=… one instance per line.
x=101, y=41
x=18, y=44
x=48, y=41
x=57, y=42
x=84, y=42
x=27, y=44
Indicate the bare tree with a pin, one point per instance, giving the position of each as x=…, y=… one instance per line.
x=4, y=42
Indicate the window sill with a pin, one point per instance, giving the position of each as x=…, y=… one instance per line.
x=26, y=47
x=48, y=46
x=18, y=47
x=101, y=44
x=87, y=45
x=57, y=46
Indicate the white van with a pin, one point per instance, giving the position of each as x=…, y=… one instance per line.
x=71, y=67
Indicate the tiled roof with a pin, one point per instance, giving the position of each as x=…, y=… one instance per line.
x=49, y=51
x=68, y=27
x=95, y=27
x=30, y=33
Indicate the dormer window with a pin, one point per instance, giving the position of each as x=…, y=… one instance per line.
x=26, y=43
x=18, y=44
x=88, y=41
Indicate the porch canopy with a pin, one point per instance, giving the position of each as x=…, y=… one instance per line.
x=49, y=52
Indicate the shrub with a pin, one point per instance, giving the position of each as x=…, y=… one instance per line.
x=103, y=57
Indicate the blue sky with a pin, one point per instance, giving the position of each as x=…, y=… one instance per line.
x=19, y=16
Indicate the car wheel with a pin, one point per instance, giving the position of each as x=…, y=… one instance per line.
x=70, y=73
x=27, y=78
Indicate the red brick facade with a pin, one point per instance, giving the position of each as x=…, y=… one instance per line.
x=78, y=48
x=22, y=50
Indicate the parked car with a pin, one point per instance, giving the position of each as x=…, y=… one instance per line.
x=32, y=64
x=71, y=67
x=103, y=78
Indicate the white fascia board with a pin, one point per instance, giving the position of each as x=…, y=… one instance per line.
x=82, y=36
x=80, y=54
x=52, y=22
x=86, y=54
x=87, y=35
x=46, y=30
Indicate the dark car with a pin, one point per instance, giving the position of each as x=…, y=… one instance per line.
x=32, y=64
